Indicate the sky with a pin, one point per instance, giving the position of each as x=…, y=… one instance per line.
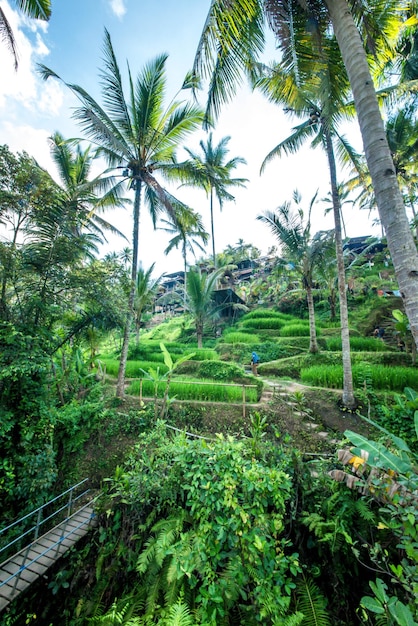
x=71, y=44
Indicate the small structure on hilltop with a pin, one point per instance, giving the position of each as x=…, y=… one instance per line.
x=227, y=300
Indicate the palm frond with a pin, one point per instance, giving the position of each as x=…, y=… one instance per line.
x=38, y=9
x=112, y=90
x=312, y=603
x=232, y=38
x=291, y=144
x=7, y=36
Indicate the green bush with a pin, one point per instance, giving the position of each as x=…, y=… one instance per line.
x=219, y=370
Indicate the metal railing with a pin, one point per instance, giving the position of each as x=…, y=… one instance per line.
x=32, y=533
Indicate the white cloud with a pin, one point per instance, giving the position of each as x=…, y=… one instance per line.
x=118, y=7
x=34, y=141
x=24, y=87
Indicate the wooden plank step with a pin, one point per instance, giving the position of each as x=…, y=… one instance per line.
x=24, y=575
x=33, y=563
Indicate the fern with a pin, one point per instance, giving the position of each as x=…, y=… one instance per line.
x=232, y=576
x=166, y=532
x=290, y=620
x=363, y=510
x=118, y=615
x=312, y=603
x=179, y=615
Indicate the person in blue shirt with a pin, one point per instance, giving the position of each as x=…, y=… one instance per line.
x=255, y=360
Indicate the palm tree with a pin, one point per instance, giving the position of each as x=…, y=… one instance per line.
x=140, y=133
x=326, y=271
x=187, y=229
x=298, y=248
x=212, y=172
x=319, y=101
x=233, y=37
x=145, y=293
x=37, y=9
x=199, y=302
x=82, y=196
x=402, y=135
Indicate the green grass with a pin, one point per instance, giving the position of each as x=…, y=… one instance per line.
x=265, y=322
x=151, y=351
x=196, y=390
x=133, y=368
x=358, y=344
x=376, y=376
x=297, y=330
x=266, y=313
x=238, y=337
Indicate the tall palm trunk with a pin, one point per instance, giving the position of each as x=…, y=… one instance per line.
x=185, y=273
x=348, y=399
x=313, y=344
x=199, y=333
x=212, y=227
x=120, y=387
x=382, y=171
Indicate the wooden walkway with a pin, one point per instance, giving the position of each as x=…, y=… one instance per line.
x=22, y=569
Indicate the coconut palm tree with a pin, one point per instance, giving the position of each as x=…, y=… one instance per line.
x=297, y=248
x=188, y=233
x=232, y=39
x=37, y=9
x=211, y=172
x=199, y=302
x=139, y=135
x=402, y=134
x=319, y=101
x=145, y=293
x=82, y=196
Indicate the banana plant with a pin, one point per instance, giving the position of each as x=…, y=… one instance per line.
x=387, y=471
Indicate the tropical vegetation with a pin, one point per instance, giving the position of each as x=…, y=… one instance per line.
x=222, y=497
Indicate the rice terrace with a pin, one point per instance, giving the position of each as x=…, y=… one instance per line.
x=214, y=430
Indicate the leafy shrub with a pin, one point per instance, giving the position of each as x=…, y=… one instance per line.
x=217, y=496
x=219, y=370
x=398, y=416
x=382, y=358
